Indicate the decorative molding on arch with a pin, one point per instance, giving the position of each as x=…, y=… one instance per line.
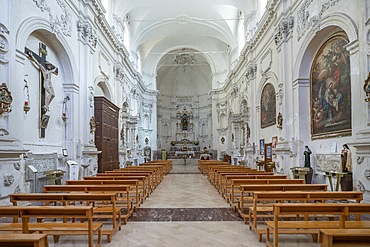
x=305, y=19
x=329, y=24
x=57, y=24
x=4, y=43
x=102, y=82
x=268, y=77
x=64, y=53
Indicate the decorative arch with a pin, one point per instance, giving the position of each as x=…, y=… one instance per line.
x=243, y=107
x=223, y=121
x=314, y=39
x=146, y=121
x=330, y=25
x=41, y=27
x=102, y=87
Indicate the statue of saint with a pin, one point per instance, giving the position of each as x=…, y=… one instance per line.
x=346, y=159
x=46, y=74
x=307, y=152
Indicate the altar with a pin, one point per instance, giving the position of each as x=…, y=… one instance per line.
x=186, y=154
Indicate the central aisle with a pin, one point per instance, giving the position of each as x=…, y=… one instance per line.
x=186, y=210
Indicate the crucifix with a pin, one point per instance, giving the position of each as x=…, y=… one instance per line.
x=46, y=88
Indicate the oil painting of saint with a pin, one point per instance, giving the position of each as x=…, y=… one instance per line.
x=268, y=106
x=330, y=85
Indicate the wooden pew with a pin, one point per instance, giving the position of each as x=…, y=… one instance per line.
x=248, y=190
x=119, y=189
x=102, y=210
x=144, y=182
x=158, y=171
x=149, y=175
x=167, y=164
x=54, y=228
x=204, y=164
x=225, y=182
x=262, y=202
x=134, y=186
x=236, y=183
x=344, y=237
x=306, y=226
x=24, y=240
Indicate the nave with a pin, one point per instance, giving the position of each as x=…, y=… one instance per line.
x=186, y=210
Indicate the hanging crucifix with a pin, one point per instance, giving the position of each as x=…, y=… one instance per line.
x=46, y=88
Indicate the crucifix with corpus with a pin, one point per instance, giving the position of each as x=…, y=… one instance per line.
x=46, y=87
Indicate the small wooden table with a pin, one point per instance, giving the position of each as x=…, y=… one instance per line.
x=337, y=175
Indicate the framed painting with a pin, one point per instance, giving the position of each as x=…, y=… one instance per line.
x=268, y=106
x=268, y=153
x=330, y=88
x=274, y=141
x=262, y=146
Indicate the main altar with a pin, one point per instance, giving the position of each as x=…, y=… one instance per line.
x=185, y=145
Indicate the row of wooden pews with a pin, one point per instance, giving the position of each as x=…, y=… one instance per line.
x=81, y=207
x=274, y=205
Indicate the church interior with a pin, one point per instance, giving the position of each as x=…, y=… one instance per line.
x=186, y=101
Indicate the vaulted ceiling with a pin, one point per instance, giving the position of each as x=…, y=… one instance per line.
x=183, y=40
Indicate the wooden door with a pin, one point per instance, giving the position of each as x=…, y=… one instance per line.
x=106, y=135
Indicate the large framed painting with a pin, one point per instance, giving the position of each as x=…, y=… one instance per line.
x=330, y=87
x=268, y=106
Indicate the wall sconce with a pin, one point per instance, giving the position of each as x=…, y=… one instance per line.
x=64, y=116
x=64, y=109
x=26, y=106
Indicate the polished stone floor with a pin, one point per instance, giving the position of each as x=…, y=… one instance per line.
x=185, y=210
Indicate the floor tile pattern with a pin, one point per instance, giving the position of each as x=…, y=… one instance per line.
x=185, y=214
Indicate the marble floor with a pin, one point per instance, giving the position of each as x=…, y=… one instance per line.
x=185, y=210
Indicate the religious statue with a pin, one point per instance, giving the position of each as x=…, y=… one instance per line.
x=248, y=133
x=92, y=129
x=122, y=134
x=92, y=124
x=184, y=122
x=346, y=159
x=307, y=152
x=280, y=121
x=367, y=88
x=46, y=73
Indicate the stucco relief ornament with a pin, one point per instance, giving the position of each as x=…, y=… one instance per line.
x=17, y=189
x=6, y=99
x=367, y=174
x=360, y=159
x=360, y=186
x=8, y=180
x=17, y=166
x=367, y=88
